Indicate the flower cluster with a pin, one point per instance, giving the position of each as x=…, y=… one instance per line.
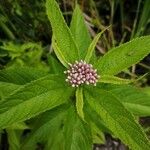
x=80, y=73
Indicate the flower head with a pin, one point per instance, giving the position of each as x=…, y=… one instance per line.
x=80, y=73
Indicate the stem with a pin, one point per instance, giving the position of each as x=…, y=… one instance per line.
x=135, y=20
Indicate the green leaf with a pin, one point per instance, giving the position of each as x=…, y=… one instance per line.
x=76, y=133
x=92, y=117
x=50, y=124
x=147, y=90
x=55, y=66
x=59, y=54
x=34, y=98
x=113, y=80
x=79, y=102
x=13, y=139
x=117, y=118
x=62, y=33
x=7, y=88
x=92, y=46
x=134, y=99
x=79, y=31
x=18, y=126
x=123, y=56
x=21, y=75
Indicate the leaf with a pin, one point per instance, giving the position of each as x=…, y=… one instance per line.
x=79, y=31
x=93, y=118
x=62, y=33
x=34, y=98
x=55, y=65
x=76, y=133
x=92, y=46
x=113, y=80
x=79, y=102
x=50, y=124
x=13, y=139
x=18, y=126
x=7, y=88
x=123, y=56
x=117, y=118
x=59, y=54
x=134, y=99
x=147, y=90
x=21, y=75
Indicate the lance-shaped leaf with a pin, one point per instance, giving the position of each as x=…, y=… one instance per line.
x=76, y=133
x=79, y=31
x=117, y=118
x=59, y=54
x=113, y=80
x=123, y=56
x=79, y=102
x=13, y=139
x=134, y=99
x=61, y=32
x=48, y=130
x=34, y=98
x=21, y=75
x=7, y=88
x=92, y=46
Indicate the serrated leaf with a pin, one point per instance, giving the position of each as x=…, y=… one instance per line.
x=117, y=118
x=92, y=46
x=59, y=54
x=61, y=32
x=113, y=80
x=79, y=31
x=21, y=75
x=93, y=118
x=79, y=102
x=76, y=133
x=34, y=98
x=133, y=98
x=123, y=56
x=50, y=124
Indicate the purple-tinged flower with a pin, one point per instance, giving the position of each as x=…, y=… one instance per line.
x=80, y=73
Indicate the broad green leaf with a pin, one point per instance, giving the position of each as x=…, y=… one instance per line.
x=7, y=88
x=76, y=133
x=113, y=80
x=21, y=75
x=117, y=118
x=92, y=117
x=59, y=54
x=79, y=102
x=92, y=46
x=97, y=135
x=48, y=130
x=61, y=32
x=133, y=98
x=147, y=90
x=34, y=98
x=123, y=56
x=79, y=31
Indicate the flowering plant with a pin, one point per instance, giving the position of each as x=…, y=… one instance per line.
x=81, y=97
